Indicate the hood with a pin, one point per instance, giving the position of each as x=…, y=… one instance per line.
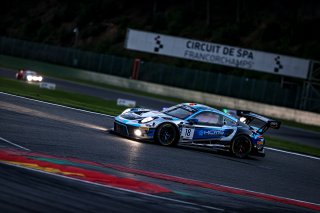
x=137, y=114
x=154, y=114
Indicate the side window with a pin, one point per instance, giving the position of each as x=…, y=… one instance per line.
x=228, y=122
x=209, y=118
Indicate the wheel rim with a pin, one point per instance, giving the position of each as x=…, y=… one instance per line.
x=167, y=134
x=241, y=147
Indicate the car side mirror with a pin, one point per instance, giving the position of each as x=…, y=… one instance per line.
x=193, y=121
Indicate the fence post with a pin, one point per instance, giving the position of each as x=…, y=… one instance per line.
x=135, y=69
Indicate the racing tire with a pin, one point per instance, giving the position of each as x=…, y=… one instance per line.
x=241, y=146
x=167, y=135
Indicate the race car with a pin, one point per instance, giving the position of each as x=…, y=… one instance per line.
x=28, y=75
x=195, y=124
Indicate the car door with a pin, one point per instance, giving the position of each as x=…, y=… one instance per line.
x=209, y=126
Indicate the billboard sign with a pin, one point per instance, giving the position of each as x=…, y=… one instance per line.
x=216, y=53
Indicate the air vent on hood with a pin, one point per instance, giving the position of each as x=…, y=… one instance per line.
x=130, y=116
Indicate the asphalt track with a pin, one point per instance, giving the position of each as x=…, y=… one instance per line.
x=296, y=135
x=68, y=133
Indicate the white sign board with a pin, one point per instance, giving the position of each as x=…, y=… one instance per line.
x=125, y=102
x=216, y=53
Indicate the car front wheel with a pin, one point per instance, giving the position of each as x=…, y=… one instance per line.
x=167, y=134
x=241, y=146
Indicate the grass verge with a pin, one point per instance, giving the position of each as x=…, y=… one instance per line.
x=109, y=107
x=290, y=146
x=60, y=97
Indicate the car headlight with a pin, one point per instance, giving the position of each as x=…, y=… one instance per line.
x=138, y=132
x=29, y=77
x=147, y=119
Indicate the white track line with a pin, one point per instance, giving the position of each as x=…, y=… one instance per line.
x=121, y=189
x=13, y=144
x=293, y=153
x=67, y=107
x=111, y=116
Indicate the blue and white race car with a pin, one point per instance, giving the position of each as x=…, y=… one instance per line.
x=197, y=125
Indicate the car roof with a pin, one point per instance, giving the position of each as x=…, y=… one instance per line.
x=201, y=107
x=30, y=72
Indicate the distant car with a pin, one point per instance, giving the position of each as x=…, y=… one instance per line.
x=28, y=75
x=197, y=125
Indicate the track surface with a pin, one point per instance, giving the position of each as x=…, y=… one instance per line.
x=287, y=133
x=65, y=132
x=39, y=192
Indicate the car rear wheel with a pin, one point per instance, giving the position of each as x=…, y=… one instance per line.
x=167, y=135
x=241, y=146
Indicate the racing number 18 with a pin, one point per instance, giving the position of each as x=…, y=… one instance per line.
x=187, y=133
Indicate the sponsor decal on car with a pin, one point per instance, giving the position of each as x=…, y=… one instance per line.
x=210, y=132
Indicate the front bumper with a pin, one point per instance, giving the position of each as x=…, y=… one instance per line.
x=138, y=132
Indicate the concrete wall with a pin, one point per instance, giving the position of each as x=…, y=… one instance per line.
x=206, y=98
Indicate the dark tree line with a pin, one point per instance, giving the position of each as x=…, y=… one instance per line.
x=286, y=26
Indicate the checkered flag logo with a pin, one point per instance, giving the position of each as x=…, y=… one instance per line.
x=279, y=66
x=159, y=45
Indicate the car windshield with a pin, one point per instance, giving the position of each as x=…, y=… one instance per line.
x=31, y=73
x=178, y=112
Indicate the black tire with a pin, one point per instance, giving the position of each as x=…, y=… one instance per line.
x=241, y=146
x=167, y=135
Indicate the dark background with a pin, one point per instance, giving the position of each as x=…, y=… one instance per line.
x=285, y=27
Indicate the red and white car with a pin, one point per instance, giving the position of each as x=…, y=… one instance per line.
x=28, y=75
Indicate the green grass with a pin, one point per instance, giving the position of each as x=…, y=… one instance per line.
x=109, y=107
x=60, y=97
x=301, y=126
x=64, y=72
x=290, y=146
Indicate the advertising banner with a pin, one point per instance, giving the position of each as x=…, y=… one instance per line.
x=216, y=53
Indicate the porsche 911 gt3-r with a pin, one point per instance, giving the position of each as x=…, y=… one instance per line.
x=197, y=125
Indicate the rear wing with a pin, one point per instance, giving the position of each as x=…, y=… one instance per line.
x=250, y=117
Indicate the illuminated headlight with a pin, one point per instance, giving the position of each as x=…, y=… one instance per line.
x=147, y=119
x=125, y=111
x=29, y=78
x=34, y=78
x=138, y=132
